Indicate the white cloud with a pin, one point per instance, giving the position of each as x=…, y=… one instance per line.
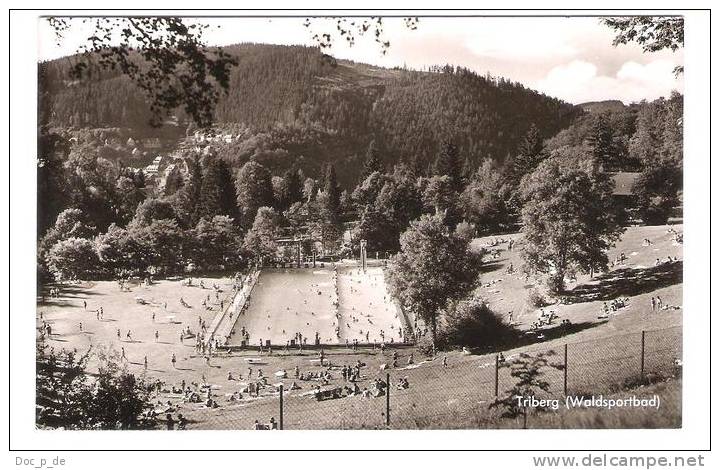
x=532, y=39
x=658, y=73
x=577, y=71
x=578, y=81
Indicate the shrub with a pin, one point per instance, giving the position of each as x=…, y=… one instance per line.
x=465, y=230
x=472, y=324
x=68, y=396
x=536, y=299
x=424, y=345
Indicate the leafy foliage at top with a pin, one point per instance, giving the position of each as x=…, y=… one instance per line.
x=162, y=56
x=351, y=29
x=653, y=33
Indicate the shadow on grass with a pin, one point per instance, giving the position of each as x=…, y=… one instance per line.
x=558, y=331
x=56, y=302
x=627, y=282
x=491, y=266
x=69, y=291
x=517, y=338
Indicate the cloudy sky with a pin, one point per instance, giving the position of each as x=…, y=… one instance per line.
x=570, y=58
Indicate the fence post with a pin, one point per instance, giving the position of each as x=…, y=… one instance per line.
x=497, y=366
x=281, y=406
x=565, y=371
x=387, y=401
x=642, y=354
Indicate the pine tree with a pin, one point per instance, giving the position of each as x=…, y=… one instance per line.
x=189, y=195
x=531, y=144
x=375, y=228
x=448, y=163
x=254, y=190
x=51, y=179
x=372, y=160
x=468, y=169
x=292, y=188
x=647, y=139
x=529, y=155
x=332, y=192
x=260, y=240
x=417, y=166
x=217, y=195
x=672, y=133
x=601, y=143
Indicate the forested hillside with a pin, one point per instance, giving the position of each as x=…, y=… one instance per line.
x=293, y=102
x=303, y=145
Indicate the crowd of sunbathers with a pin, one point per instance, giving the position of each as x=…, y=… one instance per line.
x=545, y=318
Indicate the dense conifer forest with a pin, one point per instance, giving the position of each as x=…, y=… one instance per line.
x=295, y=103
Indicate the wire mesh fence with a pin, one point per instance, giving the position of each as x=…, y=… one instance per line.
x=598, y=366
x=437, y=393
x=663, y=351
x=431, y=392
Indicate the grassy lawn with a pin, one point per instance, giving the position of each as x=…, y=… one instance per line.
x=636, y=278
x=121, y=311
x=667, y=415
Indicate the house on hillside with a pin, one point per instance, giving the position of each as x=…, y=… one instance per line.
x=623, y=191
x=152, y=143
x=158, y=164
x=624, y=181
